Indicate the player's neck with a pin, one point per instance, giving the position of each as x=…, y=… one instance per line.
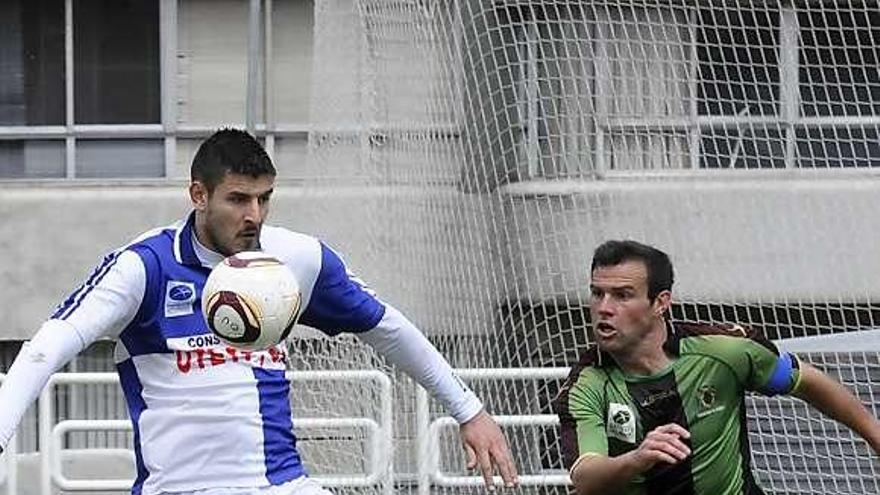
x=200, y=231
x=649, y=357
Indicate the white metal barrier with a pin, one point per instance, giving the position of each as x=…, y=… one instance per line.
x=428, y=432
x=380, y=433
x=9, y=475
x=54, y=449
x=383, y=445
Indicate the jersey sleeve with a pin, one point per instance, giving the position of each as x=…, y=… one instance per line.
x=396, y=338
x=340, y=302
x=581, y=416
x=108, y=300
x=101, y=307
x=760, y=366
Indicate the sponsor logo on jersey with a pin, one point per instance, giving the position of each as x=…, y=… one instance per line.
x=205, y=351
x=201, y=359
x=179, y=298
x=621, y=422
x=656, y=396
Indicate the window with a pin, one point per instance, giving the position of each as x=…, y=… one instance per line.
x=127, y=88
x=738, y=62
x=839, y=64
x=32, y=158
x=694, y=85
x=116, y=61
x=774, y=86
x=32, y=62
x=115, y=81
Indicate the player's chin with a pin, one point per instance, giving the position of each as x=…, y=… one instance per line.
x=247, y=243
x=607, y=344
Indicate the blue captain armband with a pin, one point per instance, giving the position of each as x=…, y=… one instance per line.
x=784, y=376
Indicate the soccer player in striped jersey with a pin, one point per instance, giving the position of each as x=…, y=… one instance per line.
x=658, y=408
x=207, y=418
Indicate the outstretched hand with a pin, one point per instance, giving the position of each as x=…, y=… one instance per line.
x=486, y=446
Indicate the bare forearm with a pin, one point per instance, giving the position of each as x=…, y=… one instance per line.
x=837, y=402
x=599, y=474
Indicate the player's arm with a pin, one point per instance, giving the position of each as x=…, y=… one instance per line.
x=341, y=302
x=102, y=305
x=773, y=372
x=837, y=402
x=396, y=338
x=595, y=474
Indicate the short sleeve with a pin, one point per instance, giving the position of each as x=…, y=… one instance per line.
x=340, y=302
x=590, y=418
x=773, y=372
x=581, y=415
x=759, y=365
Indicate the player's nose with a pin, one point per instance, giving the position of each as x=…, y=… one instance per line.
x=603, y=305
x=253, y=212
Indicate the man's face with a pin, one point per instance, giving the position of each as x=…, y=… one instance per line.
x=622, y=315
x=233, y=214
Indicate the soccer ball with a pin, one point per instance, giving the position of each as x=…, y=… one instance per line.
x=251, y=300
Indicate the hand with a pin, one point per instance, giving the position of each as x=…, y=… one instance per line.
x=485, y=445
x=663, y=444
x=874, y=442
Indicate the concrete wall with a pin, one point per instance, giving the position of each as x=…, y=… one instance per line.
x=766, y=238
x=52, y=236
x=448, y=258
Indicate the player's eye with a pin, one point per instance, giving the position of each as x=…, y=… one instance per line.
x=623, y=295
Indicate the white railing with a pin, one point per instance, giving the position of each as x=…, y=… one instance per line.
x=428, y=432
x=9, y=475
x=382, y=446
x=54, y=457
x=378, y=431
x=51, y=436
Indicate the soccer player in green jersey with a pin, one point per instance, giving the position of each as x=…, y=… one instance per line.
x=658, y=408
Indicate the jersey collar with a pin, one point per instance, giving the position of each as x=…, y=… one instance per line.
x=184, y=252
x=672, y=346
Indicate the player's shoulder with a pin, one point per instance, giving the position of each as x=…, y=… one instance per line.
x=157, y=239
x=584, y=382
x=300, y=252
x=726, y=340
x=590, y=368
x=282, y=241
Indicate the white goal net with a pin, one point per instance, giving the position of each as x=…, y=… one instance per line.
x=489, y=146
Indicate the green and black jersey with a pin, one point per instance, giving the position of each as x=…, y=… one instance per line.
x=605, y=411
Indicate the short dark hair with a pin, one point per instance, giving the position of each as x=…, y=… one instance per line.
x=657, y=263
x=229, y=150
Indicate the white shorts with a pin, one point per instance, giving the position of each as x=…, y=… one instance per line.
x=300, y=486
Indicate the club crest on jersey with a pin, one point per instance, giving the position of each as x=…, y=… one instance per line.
x=179, y=298
x=621, y=422
x=707, y=395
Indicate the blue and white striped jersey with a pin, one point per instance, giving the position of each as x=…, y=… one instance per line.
x=206, y=415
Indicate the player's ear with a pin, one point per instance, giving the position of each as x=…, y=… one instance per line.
x=198, y=194
x=662, y=302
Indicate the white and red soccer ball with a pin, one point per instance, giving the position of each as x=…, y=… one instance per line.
x=251, y=300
